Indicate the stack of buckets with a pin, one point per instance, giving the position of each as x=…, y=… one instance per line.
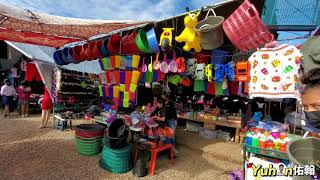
x=116, y=153
x=88, y=139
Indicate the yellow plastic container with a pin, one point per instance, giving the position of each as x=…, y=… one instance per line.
x=135, y=61
x=117, y=62
x=116, y=91
x=135, y=77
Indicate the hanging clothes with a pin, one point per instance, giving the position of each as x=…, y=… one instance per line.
x=32, y=72
x=274, y=72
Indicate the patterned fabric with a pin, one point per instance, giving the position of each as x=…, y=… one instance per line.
x=274, y=72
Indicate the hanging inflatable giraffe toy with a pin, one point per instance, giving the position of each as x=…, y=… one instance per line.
x=188, y=35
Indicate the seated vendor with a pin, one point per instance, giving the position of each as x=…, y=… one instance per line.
x=166, y=112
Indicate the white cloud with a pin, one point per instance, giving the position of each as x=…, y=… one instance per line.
x=110, y=9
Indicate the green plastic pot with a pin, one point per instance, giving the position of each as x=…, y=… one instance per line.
x=142, y=41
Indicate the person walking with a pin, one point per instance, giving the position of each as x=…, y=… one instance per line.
x=7, y=92
x=24, y=93
x=46, y=107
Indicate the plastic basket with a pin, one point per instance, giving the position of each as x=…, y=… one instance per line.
x=267, y=152
x=245, y=29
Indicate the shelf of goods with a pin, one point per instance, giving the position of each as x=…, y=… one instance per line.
x=210, y=122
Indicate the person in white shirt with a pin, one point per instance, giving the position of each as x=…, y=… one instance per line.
x=7, y=92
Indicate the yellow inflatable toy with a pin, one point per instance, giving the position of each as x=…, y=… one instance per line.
x=166, y=34
x=188, y=35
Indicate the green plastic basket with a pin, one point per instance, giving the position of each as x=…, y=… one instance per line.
x=116, y=160
x=267, y=152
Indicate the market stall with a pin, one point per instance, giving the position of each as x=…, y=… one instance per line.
x=210, y=80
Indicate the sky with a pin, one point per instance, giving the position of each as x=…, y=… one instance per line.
x=111, y=9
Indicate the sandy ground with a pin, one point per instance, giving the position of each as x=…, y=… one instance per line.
x=27, y=152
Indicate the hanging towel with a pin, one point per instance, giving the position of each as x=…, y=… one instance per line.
x=274, y=72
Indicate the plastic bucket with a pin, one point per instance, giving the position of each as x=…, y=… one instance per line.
x=114, y=44
x=303, y=152
x=152, y=41
x=131, y=44
x=124, y=44
x=76, y=53
x=135, y=61
x=70, y=56
x=135, y=77
x=57, y=57
x=103, y=49
x=175, y=79
x=65, y=53
x=133, y=87
x=142, y=41
x=210, y=31
x=83, y=53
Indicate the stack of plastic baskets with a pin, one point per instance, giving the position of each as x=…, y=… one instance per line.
x=117, y=161
x=88, y=139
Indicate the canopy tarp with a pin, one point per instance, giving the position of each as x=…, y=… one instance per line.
x=45, y=54
x=20, y=25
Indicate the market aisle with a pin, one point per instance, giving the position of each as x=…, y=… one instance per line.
x=27, y=152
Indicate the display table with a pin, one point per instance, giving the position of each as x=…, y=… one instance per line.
x=226, y=123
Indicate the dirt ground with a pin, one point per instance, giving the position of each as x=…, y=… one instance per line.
x=27, y=152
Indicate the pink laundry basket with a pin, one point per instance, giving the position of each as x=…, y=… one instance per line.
x=245, y=28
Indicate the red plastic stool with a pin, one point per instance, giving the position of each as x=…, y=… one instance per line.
x=154, y=153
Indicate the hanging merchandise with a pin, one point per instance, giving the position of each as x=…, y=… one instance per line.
x=211, y=89
x=135, y=77
x=243, y=71
x=32, y=72
x=123, y=62
x=202, y=58
x=156, y=63
x=209, y=73
x=230, y=71
x=150, y=69
x=58, y=57
x=219, y=72
x=149, y=77
x=185, y=82
x=129, y=62
x=76, y=53
x=135, y=61
x=131, y=44
x=175, y=80
x=225, y=83
x=199, y=86
x=210, y=31
x=274, y=72
x=166, y=39
x=83, y=52
x=161, y=75
x=245, y=29
x=189, y=35
x=144, y=67
x=199, y=73
x=147, y=42
x=219, y=56
x=173, y=65
x=117, y=61
x=219, y=89
x=128, y=77
x=191, y=66
x=114, y=44
x=103, y=49
x=164, y=65
x=181, y=65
